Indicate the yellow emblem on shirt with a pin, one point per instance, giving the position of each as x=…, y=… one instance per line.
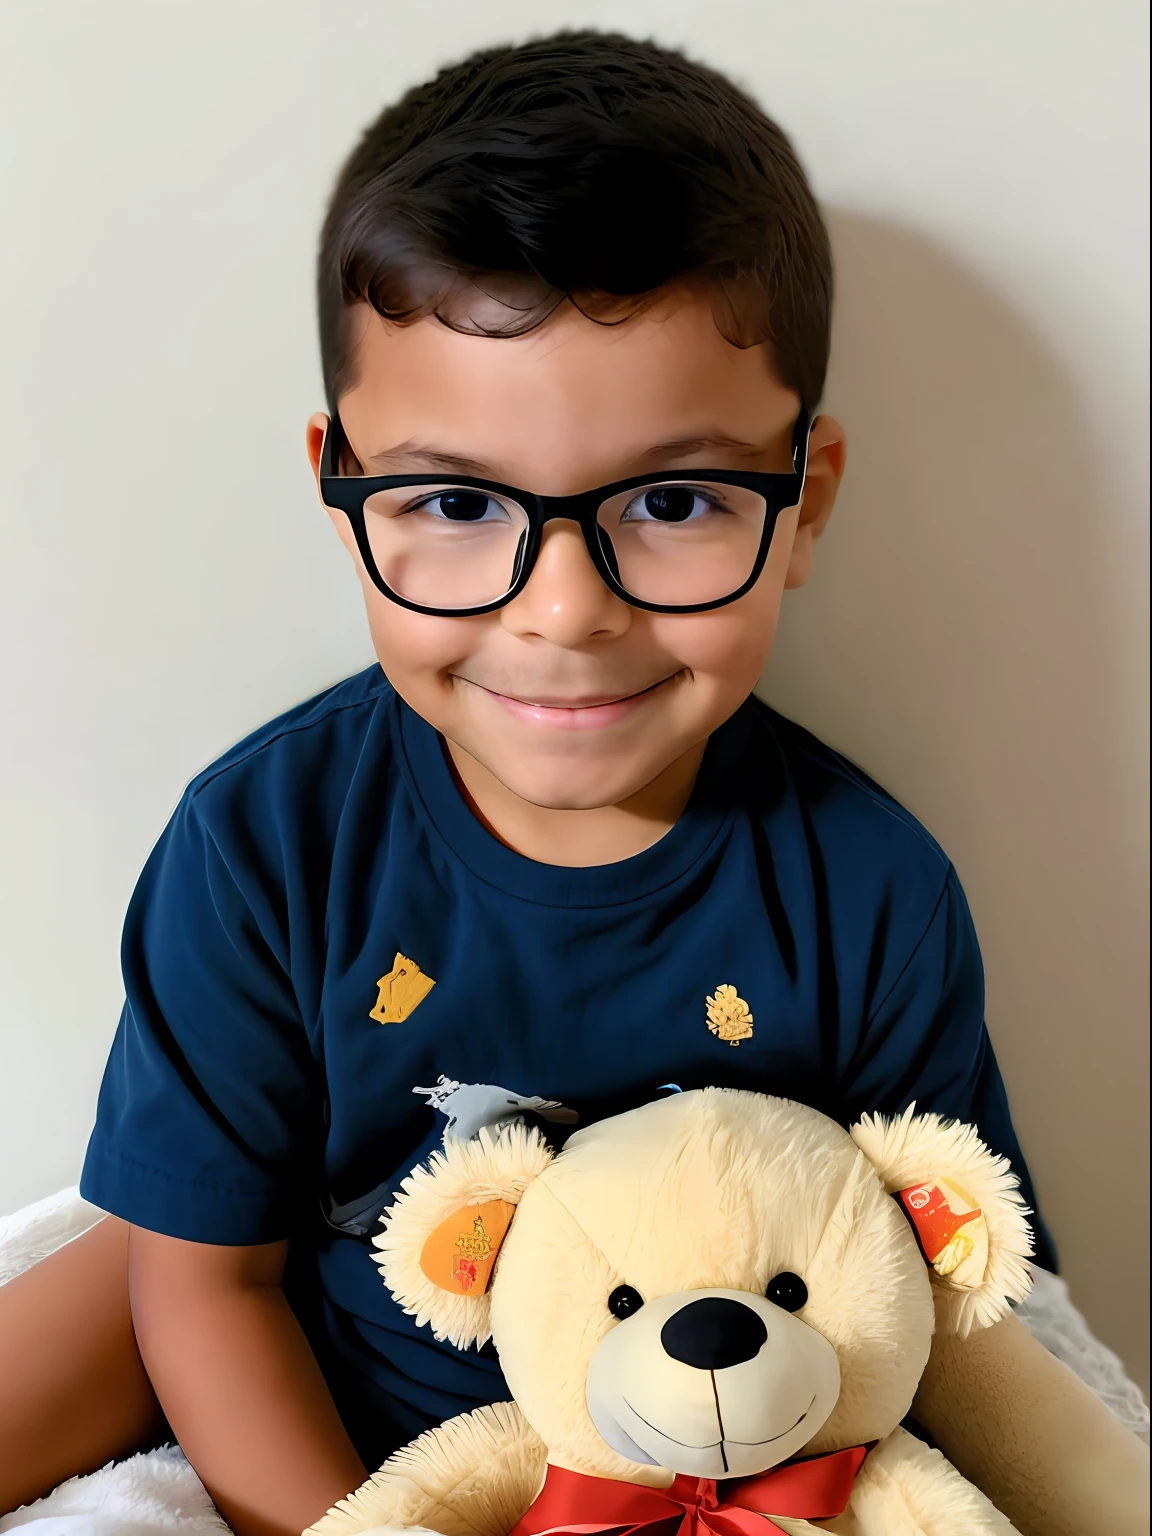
x=401, y=992
x=729, y=1016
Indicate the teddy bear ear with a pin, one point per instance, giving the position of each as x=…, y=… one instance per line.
x=441, y=1239
x=965, y=1208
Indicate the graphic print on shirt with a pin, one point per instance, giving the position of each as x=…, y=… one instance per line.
x=470, y=1107
x=729, y=1016
x=401, y=992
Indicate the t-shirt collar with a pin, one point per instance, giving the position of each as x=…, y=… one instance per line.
x=702, y=823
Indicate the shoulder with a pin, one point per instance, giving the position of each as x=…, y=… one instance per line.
x=880, y=892
x=327, y=729
x=861, y=832
x=276, y=800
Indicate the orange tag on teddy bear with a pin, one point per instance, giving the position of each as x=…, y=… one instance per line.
x=951, y=1228
x=458, y=1256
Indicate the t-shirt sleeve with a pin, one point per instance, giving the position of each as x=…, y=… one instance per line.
x=210, y=1102
x=926, y=1042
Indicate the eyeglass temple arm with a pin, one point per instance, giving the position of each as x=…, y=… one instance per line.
x=330, y=454
x=800, y=435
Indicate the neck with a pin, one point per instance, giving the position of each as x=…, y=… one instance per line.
x=577, y=839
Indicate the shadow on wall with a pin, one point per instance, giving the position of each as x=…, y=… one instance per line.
x=960, y=641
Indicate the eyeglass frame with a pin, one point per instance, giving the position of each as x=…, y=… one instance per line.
x=349, y=493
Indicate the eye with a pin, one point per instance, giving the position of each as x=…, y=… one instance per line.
x=625, y=1300
x=787, y=1290
x=461, y=505
x=670, y=504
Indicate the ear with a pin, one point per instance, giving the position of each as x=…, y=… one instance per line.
x=442, y=1237
x=827, y=455
x=965, y=1208
x=314, y=443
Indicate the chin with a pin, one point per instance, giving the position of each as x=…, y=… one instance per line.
x=568, y=785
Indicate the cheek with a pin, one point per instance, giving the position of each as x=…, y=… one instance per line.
x=729, y=647
x=416, y=651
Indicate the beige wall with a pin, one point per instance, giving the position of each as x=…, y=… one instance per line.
x=975, y=632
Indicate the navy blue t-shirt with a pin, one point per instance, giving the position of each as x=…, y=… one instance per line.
x=256, y=1074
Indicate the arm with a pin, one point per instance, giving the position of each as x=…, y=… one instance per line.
x=903, y=1486
x=238, y=1382
x=1021, y=1426
x=1013, y=1419
x=210, y=1131
x=925, y=1041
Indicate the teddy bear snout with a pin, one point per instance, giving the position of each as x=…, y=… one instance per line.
x=711, y=1383
x=713, y=1333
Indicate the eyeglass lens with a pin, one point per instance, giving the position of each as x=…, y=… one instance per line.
x=668, y=543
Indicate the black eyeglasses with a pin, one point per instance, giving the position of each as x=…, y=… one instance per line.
x=678, y=542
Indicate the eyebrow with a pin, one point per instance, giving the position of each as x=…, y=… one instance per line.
x=427, y=457
x=683, y=447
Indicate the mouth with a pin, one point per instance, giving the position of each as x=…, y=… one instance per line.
x=724, y=1440
x=579, y=712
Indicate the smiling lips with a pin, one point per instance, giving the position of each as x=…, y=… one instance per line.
x=574, y=715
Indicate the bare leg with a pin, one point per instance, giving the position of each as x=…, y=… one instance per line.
x=73, y=1392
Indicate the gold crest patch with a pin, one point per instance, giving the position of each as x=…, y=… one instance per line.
x=729, y=1016
x=401, y=992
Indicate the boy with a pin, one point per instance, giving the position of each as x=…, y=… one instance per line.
x=574, y=308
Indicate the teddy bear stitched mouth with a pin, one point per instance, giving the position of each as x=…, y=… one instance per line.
x=723, y=1440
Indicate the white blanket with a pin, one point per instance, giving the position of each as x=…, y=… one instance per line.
x=159, y=1492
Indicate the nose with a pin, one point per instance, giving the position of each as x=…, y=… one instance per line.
x=713, y=1333
x=565, y=600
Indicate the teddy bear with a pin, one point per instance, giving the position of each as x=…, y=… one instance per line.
x=712, y=1313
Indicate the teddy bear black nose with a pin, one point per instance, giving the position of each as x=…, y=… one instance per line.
x=713, y=1333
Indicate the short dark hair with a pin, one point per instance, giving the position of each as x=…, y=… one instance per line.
x=585, y=166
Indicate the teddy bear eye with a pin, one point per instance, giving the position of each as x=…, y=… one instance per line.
x=787, y=1290
x=625, y=1300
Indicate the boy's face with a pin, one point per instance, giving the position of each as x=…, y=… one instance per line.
x=571, y=698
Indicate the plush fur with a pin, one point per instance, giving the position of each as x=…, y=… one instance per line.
x=495, y=1166
x=146, y=1495
x=712, y=1189
x=913, y=1148
x=474, y=1476
x=106, y=1502
x=715, y=1191
x=29, y=1235
x=905, y=1489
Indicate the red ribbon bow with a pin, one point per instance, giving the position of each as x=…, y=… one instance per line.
x=572, y=1504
